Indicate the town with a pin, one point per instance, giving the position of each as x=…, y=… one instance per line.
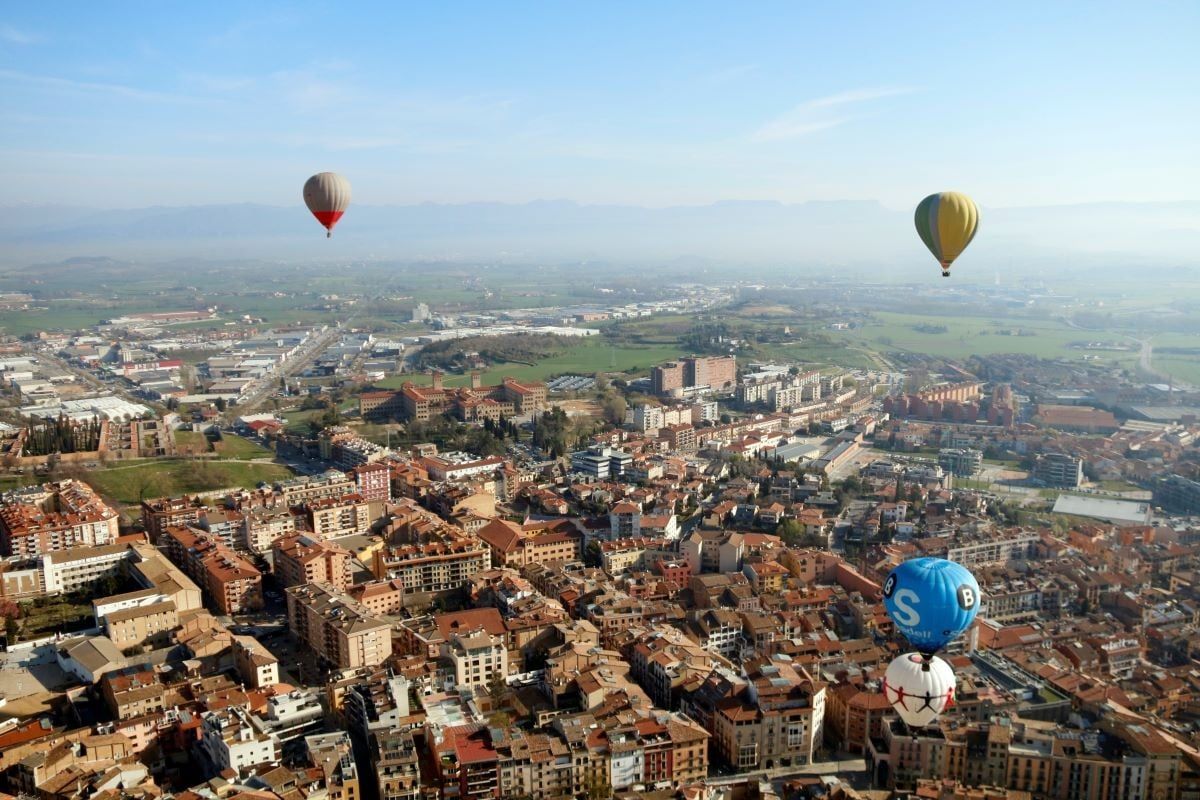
x=251, y=559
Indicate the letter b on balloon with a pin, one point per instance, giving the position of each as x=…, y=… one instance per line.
x=931, y=601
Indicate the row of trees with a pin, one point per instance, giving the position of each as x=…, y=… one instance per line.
x=62, y=435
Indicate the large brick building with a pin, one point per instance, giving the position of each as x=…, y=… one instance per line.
x=715, y=372
x=338, y=629
x=232, y=583
x=515, y=546
x=302, y=558
x=54, y=516
x=470, y=404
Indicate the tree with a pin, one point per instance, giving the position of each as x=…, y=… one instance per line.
x=220, y=404
x=790, y=531
x=614, y=406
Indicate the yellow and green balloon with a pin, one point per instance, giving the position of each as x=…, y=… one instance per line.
x=946, y=223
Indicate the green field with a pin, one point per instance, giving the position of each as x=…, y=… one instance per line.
x=127, y=485
x=194, y=439
x=588, y=357
x=967, y=336
x=236, y=447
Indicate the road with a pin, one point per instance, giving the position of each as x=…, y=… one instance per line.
x=268, y=385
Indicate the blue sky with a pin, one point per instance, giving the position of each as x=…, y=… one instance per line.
x=133, y=104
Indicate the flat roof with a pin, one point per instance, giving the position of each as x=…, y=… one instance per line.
x=1103, y=508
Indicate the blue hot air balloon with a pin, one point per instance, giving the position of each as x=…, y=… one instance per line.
x=931, y=601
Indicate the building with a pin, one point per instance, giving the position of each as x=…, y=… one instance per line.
x=963, y=462
x=433, y=567
x=331, y=517
x=1177, y=494
x=232, y=583
x=338, y=629
x=718, y=373
x=471, y=404
x=397, y=772
x=373, y=481
x=262, y=526
x=333, y=756
x=779, y=722
x=1059, y=470
x=233, y=739
x=513, y=546
x=477, y=657
x=69, y=571
x=165, y=512
x=256, y=665
x=302, y=558
x=54, y=516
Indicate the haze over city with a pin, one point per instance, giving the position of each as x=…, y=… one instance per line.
x=677, y=401
x=1024, y=107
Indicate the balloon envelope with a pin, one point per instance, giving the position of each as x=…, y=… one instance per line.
x=931, y=601
x=327, y=196
x=946, y=223
x=919, y=690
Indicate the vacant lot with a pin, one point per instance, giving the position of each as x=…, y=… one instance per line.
x=231, y=446
x=589, y=357
x=127, y=485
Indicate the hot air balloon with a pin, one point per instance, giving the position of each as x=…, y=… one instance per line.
x=327, y=195
x=919, y=688
x=931, y=601
x=946, y=223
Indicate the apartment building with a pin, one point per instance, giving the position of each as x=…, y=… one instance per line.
x=299, y=491
x=165, y=512
x=53, y=517
x=714, y=372
x=233, y=739
x=232, y=584
x=434, y=567
x=373, y=481
x=338, y=629
x=962, y=462
x=1059, y=470
x=513, y=546
x=302, y=558
x=477, y=657
x=331, y=754
x=778, y=723
x=397, y=766
x=331, y=517
x=69, y=571
x=262, y=526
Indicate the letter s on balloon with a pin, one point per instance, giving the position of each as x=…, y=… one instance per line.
x=903, y=611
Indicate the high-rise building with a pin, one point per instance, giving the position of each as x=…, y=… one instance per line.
x=1059, y=470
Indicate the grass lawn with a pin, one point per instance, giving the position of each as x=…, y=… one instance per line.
x=126, y=485
x=232, y=446
x=48, y=615
x=587, y=358
x=195, y=440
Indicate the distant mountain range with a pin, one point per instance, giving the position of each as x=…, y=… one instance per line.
x=832, y=234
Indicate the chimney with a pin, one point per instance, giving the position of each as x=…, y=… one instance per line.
x=475, y=380
x=436, y=378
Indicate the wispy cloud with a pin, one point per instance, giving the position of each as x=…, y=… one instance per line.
x=817, y=115
x=13, y=36
x=67, y=84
